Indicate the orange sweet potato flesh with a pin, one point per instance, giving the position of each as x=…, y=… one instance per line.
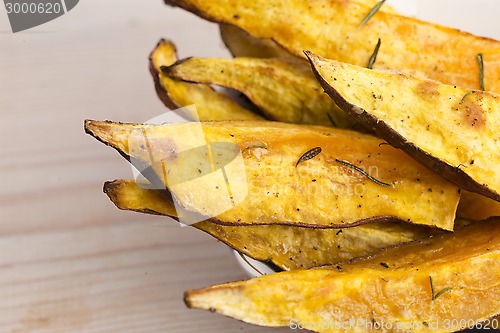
x=210, y=104
x=330, y=28
x=269, y=186
x=285, y=246
x=391, y=289
x=451, y=129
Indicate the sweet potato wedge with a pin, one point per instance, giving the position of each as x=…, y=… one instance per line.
x=285, y=246
x=210, y=104
x=284, y=90
x=241, y=44
x=331, y=28
x=416, y=287
x=452, y=130
x=300, y=175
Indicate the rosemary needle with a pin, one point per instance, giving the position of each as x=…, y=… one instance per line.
x=466, y=95
x=480, y=62
x=372, y=12
x=435, y=296
x=308, y=155
x=373, y=58
x=363, y=172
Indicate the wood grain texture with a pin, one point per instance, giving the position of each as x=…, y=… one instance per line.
x=70, y=261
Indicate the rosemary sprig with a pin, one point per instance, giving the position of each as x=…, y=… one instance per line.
x=363, y=172
x=434, y=295
x=263, y=146
x=372, y=12
x=480, y=62
x=466, y=95
x=308, y=155
x=373, y=57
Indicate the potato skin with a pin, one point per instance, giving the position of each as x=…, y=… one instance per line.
x=430, y=95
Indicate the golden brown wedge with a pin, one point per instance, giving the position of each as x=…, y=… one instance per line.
x=285, y=246
x=210, y=105
x=284, y=90
x=441, y=284
x=452, y=130
x=275, y=173
x=331, y=28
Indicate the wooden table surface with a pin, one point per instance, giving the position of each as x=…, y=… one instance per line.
x=69, y=260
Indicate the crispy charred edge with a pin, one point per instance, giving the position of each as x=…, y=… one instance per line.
x=374, y=219
x=160, y=91
x=153, y=178
x=452, y=173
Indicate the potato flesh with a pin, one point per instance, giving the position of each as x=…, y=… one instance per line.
x=210, y=105
x=284, y=90
x=366, y=290
x=318, y=192
x=448, y=128
x=330, y=28
x=285, y=246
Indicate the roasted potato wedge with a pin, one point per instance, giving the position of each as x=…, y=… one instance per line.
x=284, y=90
x=285, y=246
x=299, y=175
x=452, y=130
x=241, y=44
x=331, y=28
x=210, y=104
x=415, y=287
